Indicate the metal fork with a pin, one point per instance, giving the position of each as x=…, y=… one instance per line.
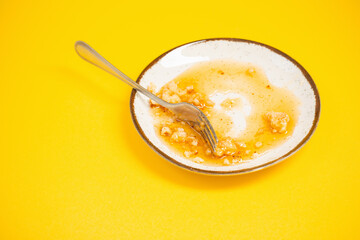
x=184, y=111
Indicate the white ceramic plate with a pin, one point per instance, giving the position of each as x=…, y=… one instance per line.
x=280, y=69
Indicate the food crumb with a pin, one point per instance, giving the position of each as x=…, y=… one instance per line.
x=278, y=121
x=152, y=88
x=198, y=160
x=226, y=162
x=230, y=103
x=258, y=144
x=240, y=144
x=166, y=131
x=190, y=153
x=153, y=103
x=179, y=135
x=234, y=161
x=208, y=151
x=171, y=98
x=189, y=89
x=187, y=153
x=192, y=140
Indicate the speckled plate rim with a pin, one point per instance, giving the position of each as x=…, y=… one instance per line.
x=245, y=170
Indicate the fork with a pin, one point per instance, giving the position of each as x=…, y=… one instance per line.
x=184, y=111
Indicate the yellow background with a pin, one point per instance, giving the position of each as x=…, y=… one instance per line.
x=72, y=165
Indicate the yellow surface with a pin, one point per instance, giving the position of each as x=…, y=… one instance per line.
x=72, y=165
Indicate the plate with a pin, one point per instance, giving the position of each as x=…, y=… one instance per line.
x=280, y=69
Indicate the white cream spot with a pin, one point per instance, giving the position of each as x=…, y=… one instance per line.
x=238, y=115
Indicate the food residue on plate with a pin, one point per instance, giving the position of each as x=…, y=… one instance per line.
x=249, y=114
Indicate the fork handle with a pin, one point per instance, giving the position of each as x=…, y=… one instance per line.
x=89, y=54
